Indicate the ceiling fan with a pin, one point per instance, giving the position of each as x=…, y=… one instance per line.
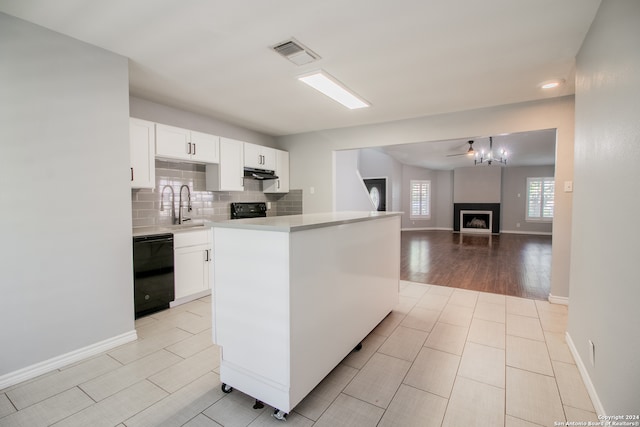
x=469, y=152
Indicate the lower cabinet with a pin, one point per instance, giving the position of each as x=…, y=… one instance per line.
x=192, y=264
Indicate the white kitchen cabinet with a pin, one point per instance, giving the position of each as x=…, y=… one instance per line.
x=280, y=185
x=192, y=252
x=142, y=153
x=183, y=144
x=206, y=148
x=228, y=174
x=259, y=157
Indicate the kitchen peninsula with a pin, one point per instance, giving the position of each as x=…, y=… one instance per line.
x=293, y=295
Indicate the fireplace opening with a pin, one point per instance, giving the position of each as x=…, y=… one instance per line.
x=475, y=221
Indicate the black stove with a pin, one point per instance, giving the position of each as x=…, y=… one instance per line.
x=248, y=210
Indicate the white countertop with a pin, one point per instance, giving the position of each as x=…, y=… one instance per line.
x=168, y=229
x=291, y=223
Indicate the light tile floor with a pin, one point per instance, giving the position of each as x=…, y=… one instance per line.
x=445, y=357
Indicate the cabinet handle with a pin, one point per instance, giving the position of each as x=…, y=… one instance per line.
x=131, y=174
x=194, y=148
x=206, y=255
x=278, y=184
x=189, y=148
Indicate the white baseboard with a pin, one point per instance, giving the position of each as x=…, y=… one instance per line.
x=534, y=233
x=558, y=300
x=180, y=301
x=597, y=405
x=427, y=229
x=49, y=365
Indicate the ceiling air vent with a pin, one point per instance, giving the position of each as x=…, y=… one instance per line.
x=295, y=52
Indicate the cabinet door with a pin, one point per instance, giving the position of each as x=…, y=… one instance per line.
x=228, y=175
x=257, y=156
x=252, y=156
x=173, y=142
x=191, y=270
x=280, y=185
x=142, y=150
x=205, y=147
x=268, y=158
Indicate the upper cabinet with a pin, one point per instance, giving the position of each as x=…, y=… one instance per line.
x=280, y=185
x=142, y=153
x=186, y=145
x=228, y=174
x=259, y=157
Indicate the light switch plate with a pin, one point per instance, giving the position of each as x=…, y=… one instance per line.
x=568, y=186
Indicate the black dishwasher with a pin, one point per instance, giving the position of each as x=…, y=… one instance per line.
x=152, y=273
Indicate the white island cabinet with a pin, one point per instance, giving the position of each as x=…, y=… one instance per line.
x=293, y=295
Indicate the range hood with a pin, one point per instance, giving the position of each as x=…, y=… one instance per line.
x=260, y=174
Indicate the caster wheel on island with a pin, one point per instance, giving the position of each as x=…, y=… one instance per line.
x=279, y=415
x=226, y=389
x=358, y=347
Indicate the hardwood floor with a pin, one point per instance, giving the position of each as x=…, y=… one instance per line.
x=508, y=264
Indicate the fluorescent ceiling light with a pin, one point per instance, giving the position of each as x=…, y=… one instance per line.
x=323, y=82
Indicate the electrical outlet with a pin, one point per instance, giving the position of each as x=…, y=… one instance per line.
x=592, y=353
x=517, y=225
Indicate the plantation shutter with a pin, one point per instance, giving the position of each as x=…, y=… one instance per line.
x=420, y=199
x=540, y=199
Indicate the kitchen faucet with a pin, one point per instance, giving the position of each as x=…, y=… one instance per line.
x=173, y=201
x=181, y=219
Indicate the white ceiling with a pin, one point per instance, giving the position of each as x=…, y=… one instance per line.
x=408, y=58
x=537, y=148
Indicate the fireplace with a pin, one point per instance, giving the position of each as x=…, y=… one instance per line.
x=493, y=219
x=475, y=221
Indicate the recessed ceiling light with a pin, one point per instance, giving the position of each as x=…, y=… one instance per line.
x=329, y=86
x=551, y=84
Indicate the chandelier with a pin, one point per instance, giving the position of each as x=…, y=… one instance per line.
x=488, y=157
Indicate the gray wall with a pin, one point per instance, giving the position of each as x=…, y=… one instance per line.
x=441, y=203
x=311, y=156
x=64, y=166
x=477, y=184
x=605, y=290
x=514, y=199
x=443, y=200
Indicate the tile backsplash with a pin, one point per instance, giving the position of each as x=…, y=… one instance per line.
x=209, y=205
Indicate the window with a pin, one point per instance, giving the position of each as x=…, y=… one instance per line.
x=420, y=199
x=540, y=199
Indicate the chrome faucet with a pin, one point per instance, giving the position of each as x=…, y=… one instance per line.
x=173, y=201
x=182, y=219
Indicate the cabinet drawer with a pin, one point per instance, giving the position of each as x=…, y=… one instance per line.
x=191, y=237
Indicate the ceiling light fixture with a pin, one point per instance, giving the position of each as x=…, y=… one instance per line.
x=488, y=158
x=325, y=83
x=551, y=84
